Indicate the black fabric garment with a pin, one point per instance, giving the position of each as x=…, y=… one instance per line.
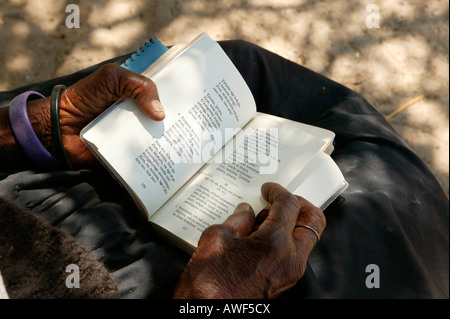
x=394, y=213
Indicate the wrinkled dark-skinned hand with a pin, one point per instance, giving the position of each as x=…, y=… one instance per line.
x=83, y=101
x=244, y=259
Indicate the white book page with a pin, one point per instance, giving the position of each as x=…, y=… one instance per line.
x=326, y=135
x=320, y=182
x=202, y=94
x=267, y=150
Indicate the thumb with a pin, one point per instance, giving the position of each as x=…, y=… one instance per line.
x=242, y=221
x=143, y=91
x=112, y=82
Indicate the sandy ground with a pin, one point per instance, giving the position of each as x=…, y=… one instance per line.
x=406, y=58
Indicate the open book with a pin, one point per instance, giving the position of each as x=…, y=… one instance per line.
x=212, y=151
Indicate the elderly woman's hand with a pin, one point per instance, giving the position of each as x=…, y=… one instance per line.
x=83, y=101
x=79, y=105
x=241, y=259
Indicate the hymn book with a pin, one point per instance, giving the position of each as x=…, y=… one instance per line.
x=212, y=151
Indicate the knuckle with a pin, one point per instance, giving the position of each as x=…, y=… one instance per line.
x=107, y=78
x=275, y=241
x=214, y=232
x=148, y=85
x=317, y=216
x=288, y=199
x=313, y=213
x=214, y=238
x=107, y=70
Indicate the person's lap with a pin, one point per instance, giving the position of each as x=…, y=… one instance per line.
x=394, y=213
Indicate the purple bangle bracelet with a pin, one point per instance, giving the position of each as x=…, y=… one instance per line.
x=24, y=133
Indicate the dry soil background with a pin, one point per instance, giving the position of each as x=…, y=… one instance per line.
x=407, y=57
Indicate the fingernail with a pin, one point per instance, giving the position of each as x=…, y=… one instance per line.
x=157, y=107
x=243, y=207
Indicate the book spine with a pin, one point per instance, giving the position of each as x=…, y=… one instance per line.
x=148, y=53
